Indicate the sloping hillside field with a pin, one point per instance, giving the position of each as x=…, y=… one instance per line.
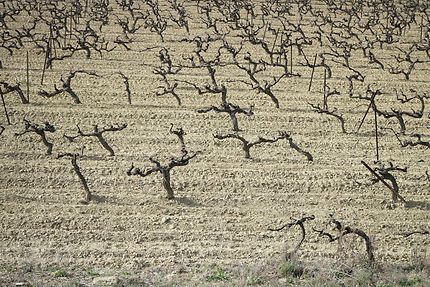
x=221, y=143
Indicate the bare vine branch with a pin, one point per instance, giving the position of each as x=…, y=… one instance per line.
x=383, y=173
x=66, y=86
x=74, y=158
x=30, y=127
x=422, y=232
x=345, y=230
x=300, y=222
x=127, y=86
x=318, y=109
x=10, y=88
x=247, y=145
x=164, y=169
x=98, y=133
x=294, y=146
x=232, y=110
x=179, y=132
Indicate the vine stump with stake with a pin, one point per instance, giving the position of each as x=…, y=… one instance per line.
x=48, y=48
x=126, y=81
x=394, y=189
x=291, y=57
x=376, y=132
x=28, y=78
x=4, y=106
x=281, y=50
x=71, y=25
x=65, y=32
x=372, y=104
x=52, y=46
x=265, y=30
x=87, y=4
x=325, y=107
x=313, y=71
x=276, y=39
x=421, y=28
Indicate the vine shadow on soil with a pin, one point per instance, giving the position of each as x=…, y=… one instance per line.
x=418, y=204
x=187, y=201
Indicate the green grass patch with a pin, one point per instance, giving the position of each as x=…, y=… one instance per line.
x=219, y=275
x=410, y=282
x=61, y=273
x=92, y=272
x=402, y=283
x=254, y=280
x=291, y=269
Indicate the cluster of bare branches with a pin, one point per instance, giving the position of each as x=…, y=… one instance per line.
x=417, y=142
x=296, y=147
x=230, y=109
x=413, y=140
x=98, y=134
x=405, y=62
x=165, y=70
x=199, y=59
x=333, y=113
x=66, y=86
x=295, y=222
x=399, y=114
x=164, y=168
x=252, y=68
x=126, y=81
x=155, y=22
x=344, y=230
x=88, y=40
x=41, y=131
x=335, y=225
x=247, y=144
x=13, y=88
x=181, y=17
x=383, y=173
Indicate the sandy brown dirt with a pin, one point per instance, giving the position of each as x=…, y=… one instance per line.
x=224, y=203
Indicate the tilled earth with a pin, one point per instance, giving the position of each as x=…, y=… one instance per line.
x=224, y=204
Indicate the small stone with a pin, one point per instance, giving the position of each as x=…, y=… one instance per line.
x=165, y=220
x=106, y=281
